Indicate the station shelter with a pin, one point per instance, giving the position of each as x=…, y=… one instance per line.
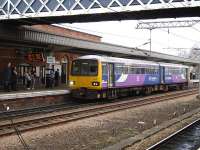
x=42, y=59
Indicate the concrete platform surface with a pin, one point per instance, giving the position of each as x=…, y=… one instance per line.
x=28, y=94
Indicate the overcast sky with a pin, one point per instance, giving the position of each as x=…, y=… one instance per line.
x=125, y=33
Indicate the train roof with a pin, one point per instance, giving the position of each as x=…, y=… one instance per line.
x=173, y=65
x=119, y=60
x=131, y=61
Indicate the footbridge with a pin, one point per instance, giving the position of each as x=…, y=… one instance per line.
x=59, y=11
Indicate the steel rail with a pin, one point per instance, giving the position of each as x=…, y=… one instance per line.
x=158, y=144
x=55, y=107
x=27, y=124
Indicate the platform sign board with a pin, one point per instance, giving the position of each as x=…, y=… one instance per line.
x=35, y=57
x=50, y=60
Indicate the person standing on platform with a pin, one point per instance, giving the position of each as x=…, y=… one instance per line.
x=33, y=79
x=57, y=77
x=7, y=77
x=52, y=78
x=28, y=80
x=14, y=79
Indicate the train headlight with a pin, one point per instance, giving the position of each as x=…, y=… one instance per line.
x=95, y=83
x=71, y=83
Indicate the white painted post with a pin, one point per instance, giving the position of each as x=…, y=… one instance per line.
x=150, y=41
x=199, y=79
x=8, y=7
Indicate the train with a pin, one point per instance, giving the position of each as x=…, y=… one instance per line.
x=104, y=77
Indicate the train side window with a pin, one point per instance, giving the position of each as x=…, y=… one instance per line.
x=146, y=70
x=157, y=71
x=166, y=71
x=125, y=69
x=133, y=70
x=137, y=70
x=118, y=69
x=143, y=70
x=129, y=69
x=104, y=69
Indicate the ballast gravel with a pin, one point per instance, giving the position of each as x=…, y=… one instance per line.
x=102, y=131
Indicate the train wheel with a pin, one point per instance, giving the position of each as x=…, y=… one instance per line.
x=182, y=87
x=166, y=89
x=148, y=90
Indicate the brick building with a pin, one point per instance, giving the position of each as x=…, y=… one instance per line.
x=26, y=58
x=58, y=30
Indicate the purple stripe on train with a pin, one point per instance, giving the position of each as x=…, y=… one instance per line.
x=126, y=80
x=104, y=85
x=175, y=78
x=138, y=80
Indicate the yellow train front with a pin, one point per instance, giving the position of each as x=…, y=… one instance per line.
x=85, y=78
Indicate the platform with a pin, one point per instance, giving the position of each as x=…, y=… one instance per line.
x=194, y=83
x=29, y=94
x=29, y=99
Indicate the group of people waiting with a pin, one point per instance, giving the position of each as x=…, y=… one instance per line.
x=52, y=79
x=10, y=76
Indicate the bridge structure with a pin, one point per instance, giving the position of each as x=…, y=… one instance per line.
x=29, y=12
x=58, y=11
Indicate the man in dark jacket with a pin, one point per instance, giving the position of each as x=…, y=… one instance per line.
x=57, y=77
x=7, y=77
x=14, y=79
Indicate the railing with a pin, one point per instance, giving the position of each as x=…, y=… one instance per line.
x=12, y=9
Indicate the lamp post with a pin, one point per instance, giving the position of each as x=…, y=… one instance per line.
x=199, y=80
x=150, y=40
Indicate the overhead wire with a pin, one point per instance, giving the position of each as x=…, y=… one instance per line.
x=180, y=36
x=177, y=35
x=160, y=43
x=108, y=33
x=112, y=34
x=195, y=29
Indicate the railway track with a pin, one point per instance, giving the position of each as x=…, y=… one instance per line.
x=186, y=138
x=70, y=104
x=38, y=110
x=34, y=122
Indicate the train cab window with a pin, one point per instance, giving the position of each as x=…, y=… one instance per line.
x=93, y=69
x=76, y=68
x=85, y=67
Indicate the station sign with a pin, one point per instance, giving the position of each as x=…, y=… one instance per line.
x=51, y=60
x=35, y=57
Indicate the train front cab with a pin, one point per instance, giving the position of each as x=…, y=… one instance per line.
x=85, y=79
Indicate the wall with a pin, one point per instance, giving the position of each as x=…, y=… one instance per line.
x=67, y=32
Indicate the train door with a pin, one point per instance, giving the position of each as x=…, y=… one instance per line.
x=162, y=74
x=111, y=78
